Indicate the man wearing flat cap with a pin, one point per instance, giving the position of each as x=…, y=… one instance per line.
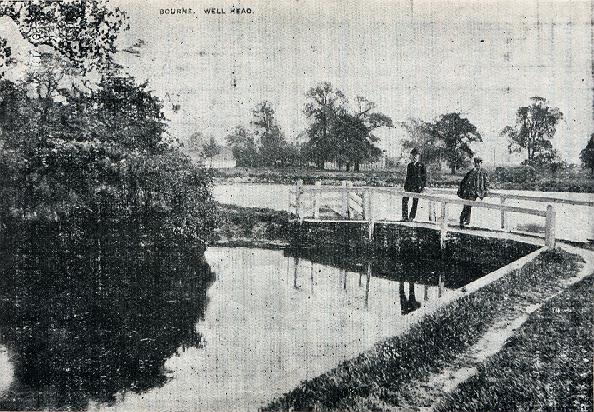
x=416, y=179
x=475, y=184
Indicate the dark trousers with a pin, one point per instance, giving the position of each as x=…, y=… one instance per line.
x=413, y=209
x=466, y=211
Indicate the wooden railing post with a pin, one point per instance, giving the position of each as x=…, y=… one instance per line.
x=503, y=226
x=369, y=214
x=345, y=200
x=298, y=195
x=444, y=224
x=550, y=227
x=349, y=214
x=317, y=196
x=430, y=211
x=365, y=198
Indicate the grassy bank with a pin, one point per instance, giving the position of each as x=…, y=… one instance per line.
x=547, y=365
x=247, y=226
x=566, y=181
x=381, y=377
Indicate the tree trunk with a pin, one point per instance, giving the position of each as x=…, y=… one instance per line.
x=453, y=169
x=531, y=144
x=357, y=166
x=348, y=166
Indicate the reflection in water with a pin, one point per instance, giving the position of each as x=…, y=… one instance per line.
x=412, y=267
x=272, y=321
x=409, y=304
x=87, y=313
x=364, y=270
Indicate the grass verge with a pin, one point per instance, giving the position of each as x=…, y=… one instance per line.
x=569, y=181
x=247, y=226
x=546, y=365
x=379, y=379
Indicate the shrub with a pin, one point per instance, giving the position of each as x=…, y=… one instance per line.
x=516, y=174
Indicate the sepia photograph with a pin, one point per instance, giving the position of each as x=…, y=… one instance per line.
x=296, y=205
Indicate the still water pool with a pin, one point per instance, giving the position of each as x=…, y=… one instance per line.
x=249, y=326
x=272, y=321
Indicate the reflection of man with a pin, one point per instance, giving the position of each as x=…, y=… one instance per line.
x=416, y=178
x=475, y=184
x=410, y=304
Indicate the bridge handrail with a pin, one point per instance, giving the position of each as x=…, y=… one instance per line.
x=538, y=199
x=437, y=190
x=426, y=196
x=472, y=203
x=367, y=213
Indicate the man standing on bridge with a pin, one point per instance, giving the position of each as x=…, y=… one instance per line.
x=416, y=179
x=475, y=184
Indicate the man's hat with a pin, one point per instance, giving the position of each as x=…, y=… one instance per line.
x=478, y=160
x=414, y=151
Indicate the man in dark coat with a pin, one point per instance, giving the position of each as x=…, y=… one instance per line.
x=416, y=179
x=475, y=184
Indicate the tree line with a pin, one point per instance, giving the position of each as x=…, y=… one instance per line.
x=337, y=132
x=344, y=134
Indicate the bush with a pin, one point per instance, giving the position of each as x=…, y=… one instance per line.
x=516, y=174
x=101, y=157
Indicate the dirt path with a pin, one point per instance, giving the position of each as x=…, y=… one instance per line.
x=432, y=391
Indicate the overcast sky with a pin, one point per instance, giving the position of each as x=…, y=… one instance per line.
x=413, y=58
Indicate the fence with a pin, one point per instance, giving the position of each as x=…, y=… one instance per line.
x=350, y=203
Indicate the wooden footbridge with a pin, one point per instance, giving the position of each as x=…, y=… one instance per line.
x=348, y=203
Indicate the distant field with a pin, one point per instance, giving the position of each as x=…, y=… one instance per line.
x=569, y=180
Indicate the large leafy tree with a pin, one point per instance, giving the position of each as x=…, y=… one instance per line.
x=195, y=142
x=323, y=108
x=211, y=149
x=93, y=152
x=535, y=126
x=421, y=135
x=340, y=133
x=587, y=154
x=243, y=145
x=272, y=143
x=83, y=31
x=102, y=157
x=354, y=133
x=455, y=134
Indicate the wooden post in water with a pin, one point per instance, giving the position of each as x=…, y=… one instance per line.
x=311, y=276
x=503, y=226
x=444, y=225
x=345, y=200
x=295, y=271
x=367, y=284
x=298, y=193
x=550, y=227
x=440, y=285
x=317, y=196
